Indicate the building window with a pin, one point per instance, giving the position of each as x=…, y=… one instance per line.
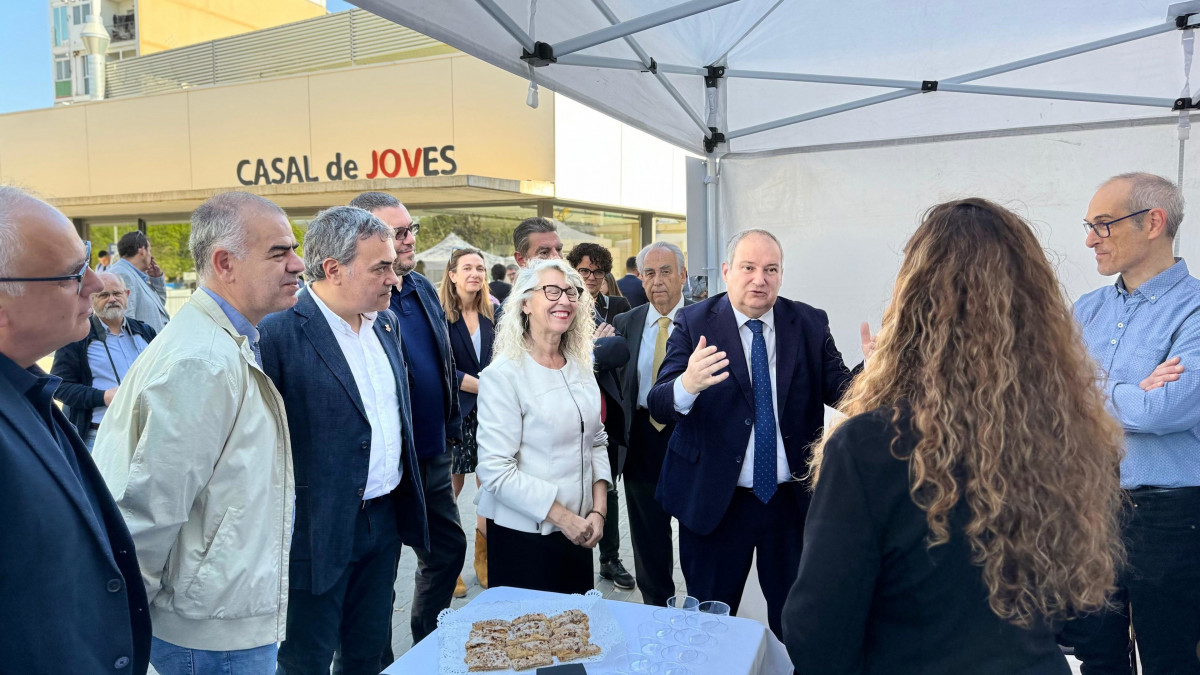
x=83, y=71
x=61, y=27
x=62, y=77
x=81, y=13
x=619, y=232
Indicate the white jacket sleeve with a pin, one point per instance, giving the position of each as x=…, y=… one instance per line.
x=499, y=433
x=156, y=456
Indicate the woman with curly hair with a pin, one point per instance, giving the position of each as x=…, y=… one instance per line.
x=543, y=464
x=970, y=501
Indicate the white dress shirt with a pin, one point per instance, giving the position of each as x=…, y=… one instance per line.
x=377, y=388
x=684, y=400
x=645, y=362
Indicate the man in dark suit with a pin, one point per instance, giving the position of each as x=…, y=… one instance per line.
x=631, y=285
x=435, y=414
x=731, y=473
x=646, y=329
x=335, y=358
x=71, y=592
x=593, y=261
x=498, y=286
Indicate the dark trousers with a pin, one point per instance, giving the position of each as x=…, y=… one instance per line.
x=649, y=524
x=1160, y=586
x=439, y=567
x=611, y=540
x=357, y=611
x=716, y=565
x=540, y=562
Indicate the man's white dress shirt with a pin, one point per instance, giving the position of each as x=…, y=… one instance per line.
x=377, y=388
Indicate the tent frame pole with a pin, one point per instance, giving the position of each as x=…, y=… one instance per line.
x=960, y=79
x=506, y=22
x=652, y=67
x=624, y=28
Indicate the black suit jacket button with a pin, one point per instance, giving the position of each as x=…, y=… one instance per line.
x=362, y=491
x=737, y=460
x=121, y=662
x=749, y=421
x=114, y=585
x=365, y=445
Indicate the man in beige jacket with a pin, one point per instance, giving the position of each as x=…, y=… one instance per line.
x=195, y=450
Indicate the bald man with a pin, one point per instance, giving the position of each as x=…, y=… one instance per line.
x=70, y=588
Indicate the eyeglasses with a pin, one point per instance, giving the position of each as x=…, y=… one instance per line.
x=105, y=295
x=77, y=277
x=1107, y=227
x=553, y=293
x=589, y=273
x=402, y=232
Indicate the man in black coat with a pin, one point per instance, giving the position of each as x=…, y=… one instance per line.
x=631, y=285
x=71, y=593
x=92, y=368
x=646, y=329
x=498, y=286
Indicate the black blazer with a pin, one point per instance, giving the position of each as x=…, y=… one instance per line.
x=872, y=598
x=706, y=451
x=76, y=392
x=71, y=592
x=631, y=288
x=464, y=355
x=499, y=289
x=632, y=324
x=331, y=439
x=610, y=306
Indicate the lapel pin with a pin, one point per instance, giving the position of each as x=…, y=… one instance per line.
x=387, y=328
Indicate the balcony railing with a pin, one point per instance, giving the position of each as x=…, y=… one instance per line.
x=332, y=41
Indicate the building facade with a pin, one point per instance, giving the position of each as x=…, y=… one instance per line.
x=140, y=27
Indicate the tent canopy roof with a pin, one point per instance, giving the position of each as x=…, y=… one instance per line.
x=903, y=43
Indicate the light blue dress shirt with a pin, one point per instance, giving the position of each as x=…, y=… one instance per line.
x=240, y=323
x=1129, y=335
x=114, y=350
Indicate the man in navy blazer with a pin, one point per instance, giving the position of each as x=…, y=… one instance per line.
x=745, y=379
x=71, y=593
x=335, y=358
x=437, y=420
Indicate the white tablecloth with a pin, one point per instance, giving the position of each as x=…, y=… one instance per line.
x=747, y=648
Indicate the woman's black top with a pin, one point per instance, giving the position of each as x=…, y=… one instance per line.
x=872, y=597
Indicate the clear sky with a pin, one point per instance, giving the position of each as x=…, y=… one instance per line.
x=26, y=70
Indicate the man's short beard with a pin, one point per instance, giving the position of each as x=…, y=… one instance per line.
x=112, y=314
x=402, y=269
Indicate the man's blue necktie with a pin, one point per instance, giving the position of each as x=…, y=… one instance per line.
x=765, y=469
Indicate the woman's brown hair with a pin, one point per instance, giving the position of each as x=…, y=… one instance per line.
x=980, y=346
x=448, y=294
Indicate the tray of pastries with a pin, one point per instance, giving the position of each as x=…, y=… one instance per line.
x=518, y=637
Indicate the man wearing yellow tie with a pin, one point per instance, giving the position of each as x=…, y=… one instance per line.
x=646, y=329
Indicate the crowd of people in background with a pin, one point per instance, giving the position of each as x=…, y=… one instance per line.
x=229, y=490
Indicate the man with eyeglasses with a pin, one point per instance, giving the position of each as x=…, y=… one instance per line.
x=593, y=261
x=435, y=414
x=1144, y=333
x=92, y=368
x=70, y=586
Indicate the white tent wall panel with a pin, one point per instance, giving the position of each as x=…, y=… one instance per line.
x=843, y=216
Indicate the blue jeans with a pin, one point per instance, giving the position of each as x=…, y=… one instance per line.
x=89, y=439
x=169, y=659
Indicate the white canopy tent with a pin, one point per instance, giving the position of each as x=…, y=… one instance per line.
x=835, y=124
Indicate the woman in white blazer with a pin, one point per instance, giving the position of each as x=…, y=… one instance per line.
x=543, y=457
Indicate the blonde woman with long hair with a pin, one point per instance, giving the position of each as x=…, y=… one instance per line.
x=543, y=459
x=970, y=502
x=470, y=320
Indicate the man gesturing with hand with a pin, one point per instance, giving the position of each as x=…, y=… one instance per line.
x=745, y=380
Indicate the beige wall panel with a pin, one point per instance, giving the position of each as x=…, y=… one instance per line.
x=262, y=120
x=45, y=151
x=496, y=134
x=139, y=145
x=399, y=107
